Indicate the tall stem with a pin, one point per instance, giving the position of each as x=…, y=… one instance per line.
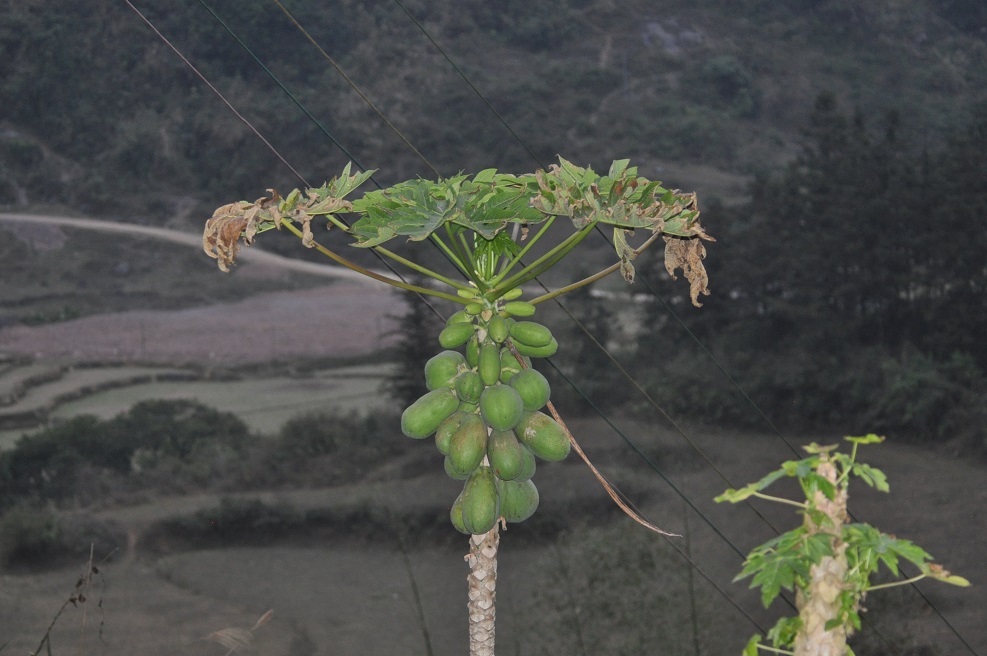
x=482, y=579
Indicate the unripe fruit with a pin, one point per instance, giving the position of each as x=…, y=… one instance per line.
x=509, y=364
x=533, y=388
x=518, y=500
x=441, y=369
x=456, y=514
x=473, y=309
x=539, y=352
x=468, y=445
x=511, y=294
x=501, y=407
x=423, y=417
x=543, y=436
x=459, y=317
x=455, y=334
x=469, y=385
x=451, y=471
x=530, y=333
x=488, y=364
x=473, y=351
x=481, y=503
x=445, y=431
x=505, y=454
x=519, y=308
x=498, y=328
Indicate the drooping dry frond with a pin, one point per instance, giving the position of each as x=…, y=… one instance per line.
x=221, y=237
x=688, y=255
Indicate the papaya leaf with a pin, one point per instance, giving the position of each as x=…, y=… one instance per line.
x=873, y=476
x=752, y=644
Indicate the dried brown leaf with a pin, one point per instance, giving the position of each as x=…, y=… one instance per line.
x=221, y=236
x=688, y=255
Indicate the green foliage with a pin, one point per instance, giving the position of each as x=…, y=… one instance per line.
x=29, y=533
x=54, y=463
x=786, y=561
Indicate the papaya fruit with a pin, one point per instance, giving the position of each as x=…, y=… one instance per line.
x=509, y=364
x=488, y=364
x=505, y=454
x=468, y=444
x=531, y=334
x=469, y=385
x=469, y=408
x=543, y=436
x=445, y=431
x=539, y=351
x=501, y=407
x=459, y=317
x=473, y=351
x=441, y=369
x=455, y=334
x=519, y=308
x=456, y=514
x=451, y=471
x=473, y=308
x=528, y=464
x=422, y=418
x=498, y=328
x=481, y=503
x=518, y=500
x=512, y=294
x=532, y=387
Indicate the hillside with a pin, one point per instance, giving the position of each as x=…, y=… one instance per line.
x=100, y=116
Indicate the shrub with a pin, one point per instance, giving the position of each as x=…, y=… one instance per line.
x=28, y=535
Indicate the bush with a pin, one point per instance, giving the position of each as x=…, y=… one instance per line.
x=28, y=535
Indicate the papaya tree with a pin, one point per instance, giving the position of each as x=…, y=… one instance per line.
x=483, y=402
x=827, y=561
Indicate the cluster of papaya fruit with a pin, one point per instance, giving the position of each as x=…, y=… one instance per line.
x=484, y=409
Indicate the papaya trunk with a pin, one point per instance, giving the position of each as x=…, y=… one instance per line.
x=482, y=561
x=818, y=603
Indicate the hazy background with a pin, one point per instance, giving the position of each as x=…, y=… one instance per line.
x=229, y=442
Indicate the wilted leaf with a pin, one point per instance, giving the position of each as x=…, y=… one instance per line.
x=221, y=237
x=688, y=255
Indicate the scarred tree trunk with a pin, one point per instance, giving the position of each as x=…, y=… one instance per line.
x=482, y=561
x=819, y=602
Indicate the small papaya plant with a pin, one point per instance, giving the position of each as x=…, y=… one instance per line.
x=827, y=561
x=483, y=402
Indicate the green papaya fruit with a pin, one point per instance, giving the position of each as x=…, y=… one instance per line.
x=531, y=334
x=469, y=408
x=422, y=418
x=543, y=436
x=498, y=328
x=468, y=444
x=445, y=431
x=512, y=294
x=509, y=364
x=451, y=471
x=501, y=407
x=473, y=351
x=481, y=503
x=488, y=364
x=473, y=309
x=468, y=386
x=537, y=352
x=528, y=464
x=505, y=454
x=456, y=514
x=518, y=500
x=533, y=388
x=441, y=369
x=459, y=317
x=519, y=308
x=455, y=334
